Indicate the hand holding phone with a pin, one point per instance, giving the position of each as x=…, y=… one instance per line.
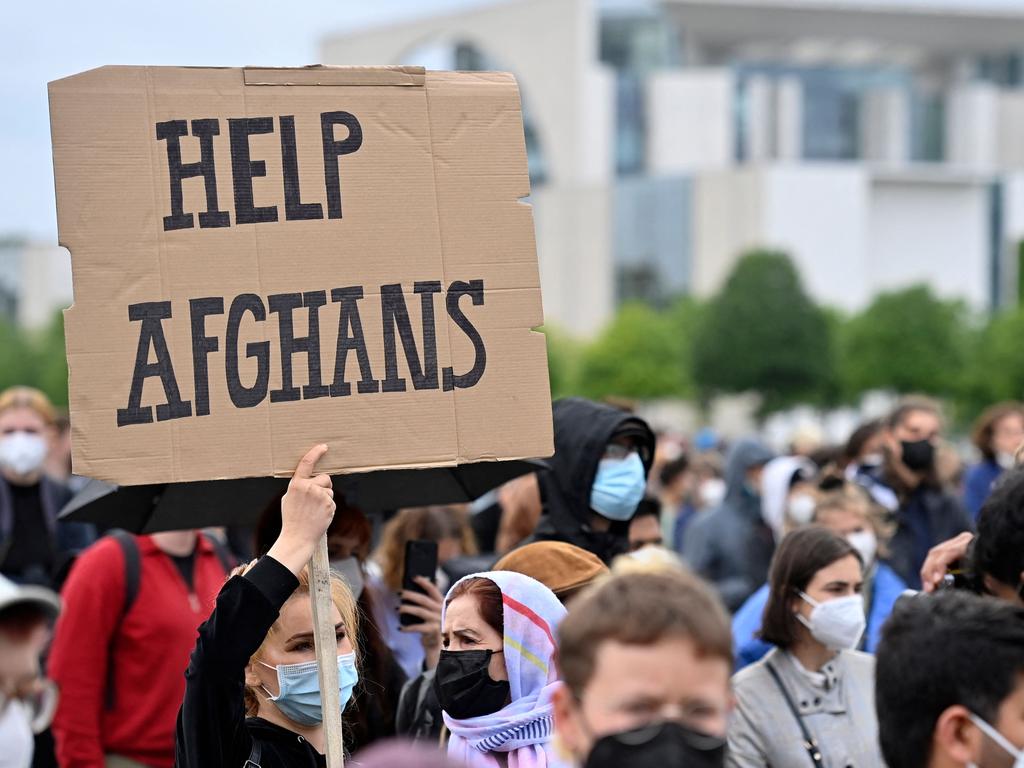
x=420, y=560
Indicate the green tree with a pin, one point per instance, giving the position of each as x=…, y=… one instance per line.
x=763, y=333
x=995, y=369
x=51, y=361
x=906, y=341
x=17, y=358
x=563, y=361
x=642, y=353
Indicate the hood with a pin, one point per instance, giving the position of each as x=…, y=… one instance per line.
x=582, y=430
x=743, y=455
x=775, y=488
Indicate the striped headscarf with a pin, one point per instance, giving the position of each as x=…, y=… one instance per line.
x=523, y=728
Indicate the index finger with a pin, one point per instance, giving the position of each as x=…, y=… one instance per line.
x=307, y=464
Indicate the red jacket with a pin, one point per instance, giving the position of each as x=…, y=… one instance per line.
x=150, y=653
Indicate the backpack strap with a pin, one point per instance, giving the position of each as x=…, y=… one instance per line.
x=227, y=560
x=132, y=573
x=810, y=743
x=254, y=756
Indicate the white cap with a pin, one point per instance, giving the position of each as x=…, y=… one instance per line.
x=12, y=594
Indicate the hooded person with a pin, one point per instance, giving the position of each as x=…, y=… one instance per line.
x=597, y=478
x=496, y=676
x=787, y=496
x=732, y=546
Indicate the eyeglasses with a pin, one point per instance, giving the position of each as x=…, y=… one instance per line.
x=618, y=451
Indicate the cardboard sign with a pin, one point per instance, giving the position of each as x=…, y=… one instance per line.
x=264, y=259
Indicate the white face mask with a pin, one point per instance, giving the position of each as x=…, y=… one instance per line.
x=712, y=491
x=352, y=572
x=1005, y=460
x=838, y=623
x=800, y=508
x=22, y=452
x=866, y=544
x=1002, y=741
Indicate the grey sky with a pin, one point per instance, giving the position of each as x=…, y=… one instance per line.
x=44, y=40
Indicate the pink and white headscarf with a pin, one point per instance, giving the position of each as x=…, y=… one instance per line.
x=524, y=727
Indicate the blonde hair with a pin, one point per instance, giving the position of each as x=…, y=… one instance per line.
x=431, y=523
x=343, y=600
x=849, y=497
x=31, y=398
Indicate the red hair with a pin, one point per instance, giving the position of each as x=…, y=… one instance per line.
x=488, y=600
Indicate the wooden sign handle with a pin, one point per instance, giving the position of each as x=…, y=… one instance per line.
x=326, y=644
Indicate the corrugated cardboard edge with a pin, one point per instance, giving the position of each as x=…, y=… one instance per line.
x=335, y=75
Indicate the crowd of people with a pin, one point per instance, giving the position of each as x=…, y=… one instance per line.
x=642, y=601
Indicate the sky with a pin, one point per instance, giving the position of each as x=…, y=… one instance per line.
x=48, y=39
x=44, y=40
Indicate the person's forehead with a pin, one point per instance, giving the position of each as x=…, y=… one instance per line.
x=21, y=416
x=921, y=419
x=842, y=518
x=844, y=569
x=462, y=613
x=296, y=616
x=671, y=669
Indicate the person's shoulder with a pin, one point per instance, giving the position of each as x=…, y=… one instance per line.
x=858, y=662
x=753, y=676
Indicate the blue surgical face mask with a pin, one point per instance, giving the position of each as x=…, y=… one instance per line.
x=299, y=689
x=618, y=487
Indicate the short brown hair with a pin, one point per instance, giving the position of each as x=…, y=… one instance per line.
x=800, y=555
x=640, y=609
x=985, y=426
x=911, y=404
x=487, y=595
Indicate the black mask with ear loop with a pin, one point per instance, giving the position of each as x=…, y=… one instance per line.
x=464, y=687
x=660, y=745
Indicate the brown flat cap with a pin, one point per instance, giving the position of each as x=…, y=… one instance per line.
x=559, y=566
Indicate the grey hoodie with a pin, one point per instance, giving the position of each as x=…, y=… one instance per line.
x=731, y=546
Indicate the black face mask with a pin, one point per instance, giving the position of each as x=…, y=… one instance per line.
x=658, y=746
x=463, y=686
x=918, y=455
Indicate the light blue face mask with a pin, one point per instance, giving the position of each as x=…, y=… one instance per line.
x=618, y=487
x=299, y=686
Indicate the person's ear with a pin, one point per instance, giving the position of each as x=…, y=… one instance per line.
x=567, y=723
x=955, y=737
x=252, y=679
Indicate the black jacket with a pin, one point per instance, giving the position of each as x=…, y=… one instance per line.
x=212, y=728
x=582, y=430
x=944, y=517
x=67, y=539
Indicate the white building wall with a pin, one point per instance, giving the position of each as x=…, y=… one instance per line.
x=551, y=47
x=690, y=120
x=45, y=285
x=930, y=231
x=972, y=125
x=727, y=220
x=851, y=232
x=818, y=214
x=576, y=267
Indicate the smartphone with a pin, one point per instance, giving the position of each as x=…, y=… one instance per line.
x=420, y=560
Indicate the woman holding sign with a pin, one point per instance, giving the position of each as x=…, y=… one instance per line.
x=252, y=691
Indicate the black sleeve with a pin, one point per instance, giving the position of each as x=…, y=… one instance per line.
x=211, y=722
